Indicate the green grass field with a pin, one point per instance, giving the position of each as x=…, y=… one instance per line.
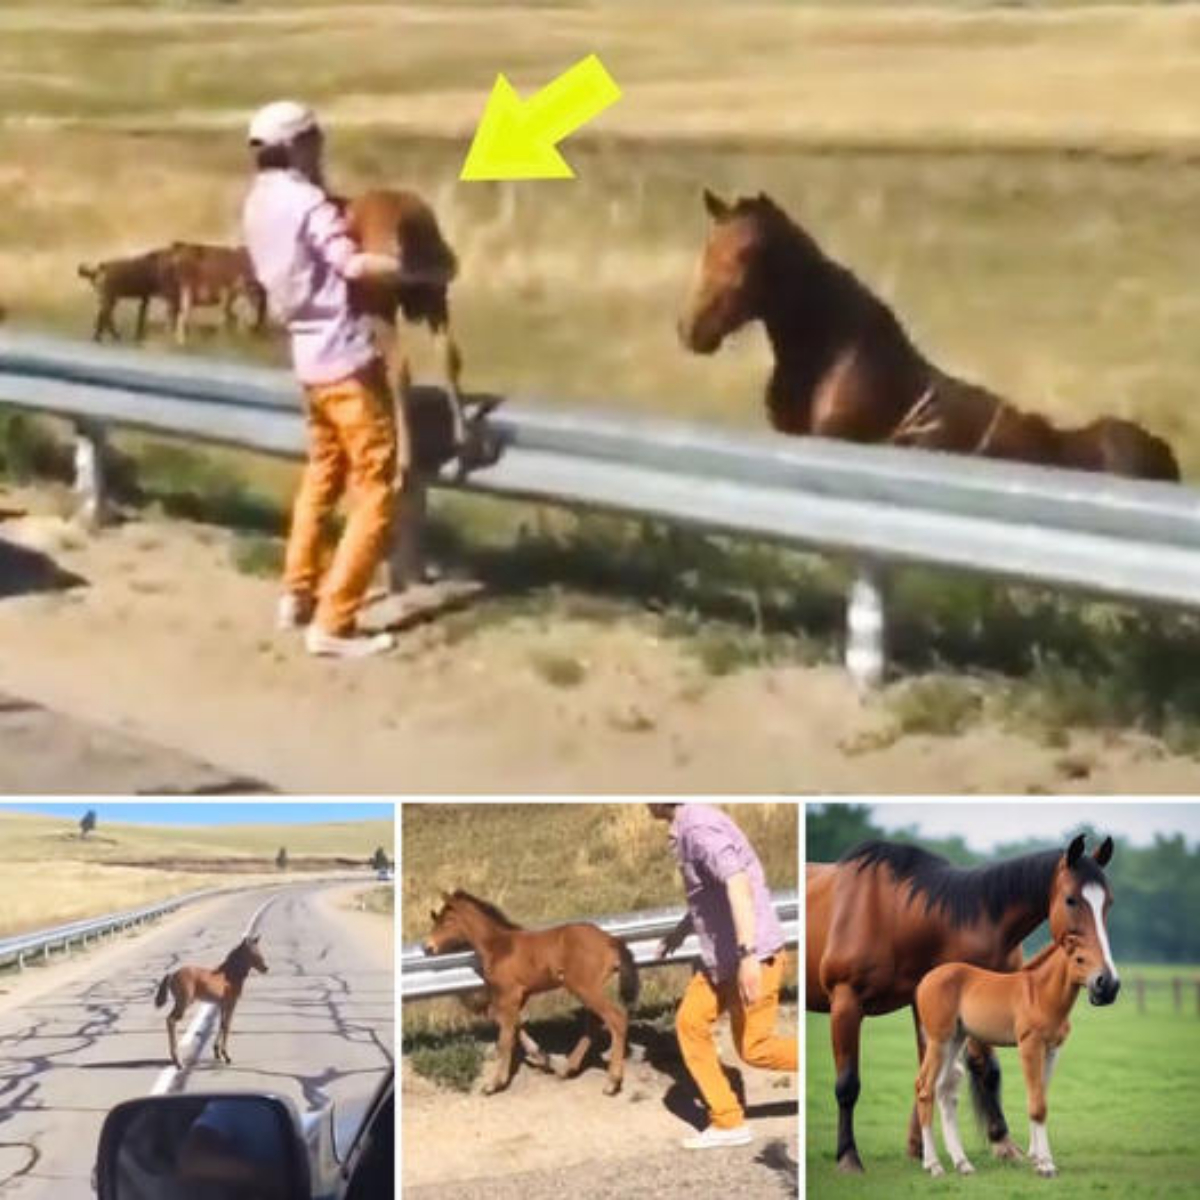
x=1124, y=1107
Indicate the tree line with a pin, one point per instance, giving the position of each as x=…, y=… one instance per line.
x=1155, y=915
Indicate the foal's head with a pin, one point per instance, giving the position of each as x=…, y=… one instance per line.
x=1079, y=903
x=245, y=957
x=733, y=277
x=461, y=918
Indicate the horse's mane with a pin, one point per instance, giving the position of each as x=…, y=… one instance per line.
x=485, y=907
x=235, y=956
x=966, y=893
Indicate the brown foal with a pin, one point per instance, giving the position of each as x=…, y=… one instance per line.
x=1027, y=1008
x=222, y=986
x=517, y=963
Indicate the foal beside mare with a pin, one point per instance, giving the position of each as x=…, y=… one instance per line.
x=517, y=963
x=846, y=368
x=222, y=986
x=1027, y=1008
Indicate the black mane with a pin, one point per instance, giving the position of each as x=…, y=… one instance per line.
x=965, y=894
x=485, y=907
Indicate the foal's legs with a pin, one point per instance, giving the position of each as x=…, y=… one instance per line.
x=507, y=1010
x=221, y=1045
x=575, y=1060
x=617, y=1020
x=534, y=1054
x=845, y=1024
x=928, y=1080
x=947, y=1098
x=173, y=1019
x=1037, y=1062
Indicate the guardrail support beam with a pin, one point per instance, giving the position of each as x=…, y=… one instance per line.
x=866, y=626
x=90, y=445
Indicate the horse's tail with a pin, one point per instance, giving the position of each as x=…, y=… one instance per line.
x=160, y=997
x=630, y=984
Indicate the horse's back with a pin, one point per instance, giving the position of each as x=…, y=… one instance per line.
x=1120, y=447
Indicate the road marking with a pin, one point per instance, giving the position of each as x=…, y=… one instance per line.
x=203, y=1022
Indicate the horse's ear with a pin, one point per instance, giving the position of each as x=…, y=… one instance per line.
x=1075, y=851
x=433, y=916
x=1104, y=852
x=446, y=897
x=716, y=207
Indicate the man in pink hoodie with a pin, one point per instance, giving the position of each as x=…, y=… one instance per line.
x=305, y=258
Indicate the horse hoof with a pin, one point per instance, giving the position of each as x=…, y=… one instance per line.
x=964, y=1168
x=611, y=1089
x=1007, y=1150
x=850, y=1164
x=1047, y=1172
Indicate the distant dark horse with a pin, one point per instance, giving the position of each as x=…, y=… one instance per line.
x=222, y=986
x=884, y=915
x=517, y=963
x=845, y=367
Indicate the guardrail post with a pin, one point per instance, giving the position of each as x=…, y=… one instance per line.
x=406, y=558
x=866, y=626
x=90, y=443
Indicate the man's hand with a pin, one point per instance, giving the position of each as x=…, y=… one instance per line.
x=674, y=939
x=749, y=980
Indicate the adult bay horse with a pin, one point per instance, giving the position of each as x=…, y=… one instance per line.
x=1028, y=1008
x=884, y=915
x=222, y=986
x=517, y=963
x=846, y=368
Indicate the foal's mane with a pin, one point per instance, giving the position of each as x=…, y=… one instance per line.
x=964, y=893
x=486, y=907
x=237, y=955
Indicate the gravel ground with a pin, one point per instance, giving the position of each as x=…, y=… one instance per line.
x=765, y=1171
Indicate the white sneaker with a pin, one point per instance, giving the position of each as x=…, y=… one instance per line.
x=294, y=612
x=356, y=645
x=713, y=1138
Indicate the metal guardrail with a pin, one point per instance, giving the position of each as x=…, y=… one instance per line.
x=18, y=949
x=424, y=976
x=26, y=945
x=874, y=505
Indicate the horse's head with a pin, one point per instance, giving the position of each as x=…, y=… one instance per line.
x=729, y=287
x=254, y=954
x=449, y=931
x=1079, y=903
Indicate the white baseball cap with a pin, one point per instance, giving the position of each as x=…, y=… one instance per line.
x=281, y=123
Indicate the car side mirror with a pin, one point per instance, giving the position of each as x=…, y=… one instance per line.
x=229, y=1146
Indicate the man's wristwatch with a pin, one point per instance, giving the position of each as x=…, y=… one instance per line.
x=746, y=952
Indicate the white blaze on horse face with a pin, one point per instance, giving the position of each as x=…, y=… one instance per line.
x=1093, y=893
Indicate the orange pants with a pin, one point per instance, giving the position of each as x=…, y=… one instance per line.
x=753, y=1034
x=354, y=443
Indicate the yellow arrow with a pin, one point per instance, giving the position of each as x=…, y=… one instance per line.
x=516, y=139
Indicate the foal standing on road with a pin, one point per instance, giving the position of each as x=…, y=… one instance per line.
x=517, y=963
x=222, y=986
x=1027, y=1008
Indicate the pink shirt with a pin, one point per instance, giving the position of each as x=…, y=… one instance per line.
x=711, y=848
x=300, y=246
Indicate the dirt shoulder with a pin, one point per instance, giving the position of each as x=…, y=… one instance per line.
x=541, y=1123
x=165, y=641
x=374, y=932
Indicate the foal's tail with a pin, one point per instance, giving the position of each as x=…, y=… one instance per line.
x=160, y=997
x=630, y=984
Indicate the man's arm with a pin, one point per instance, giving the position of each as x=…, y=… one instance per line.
x=331, y=238
x=741, y=905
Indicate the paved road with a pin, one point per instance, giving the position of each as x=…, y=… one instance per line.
x=319, y=1026
x=47, y=753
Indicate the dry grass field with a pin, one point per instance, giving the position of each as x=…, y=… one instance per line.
x=1020, y=182
x=50, y=874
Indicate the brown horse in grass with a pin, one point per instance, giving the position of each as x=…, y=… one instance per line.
x=884, y=915
x=846, y=368
x=1027, y=1009
x=517, y=963
x=222, y=986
